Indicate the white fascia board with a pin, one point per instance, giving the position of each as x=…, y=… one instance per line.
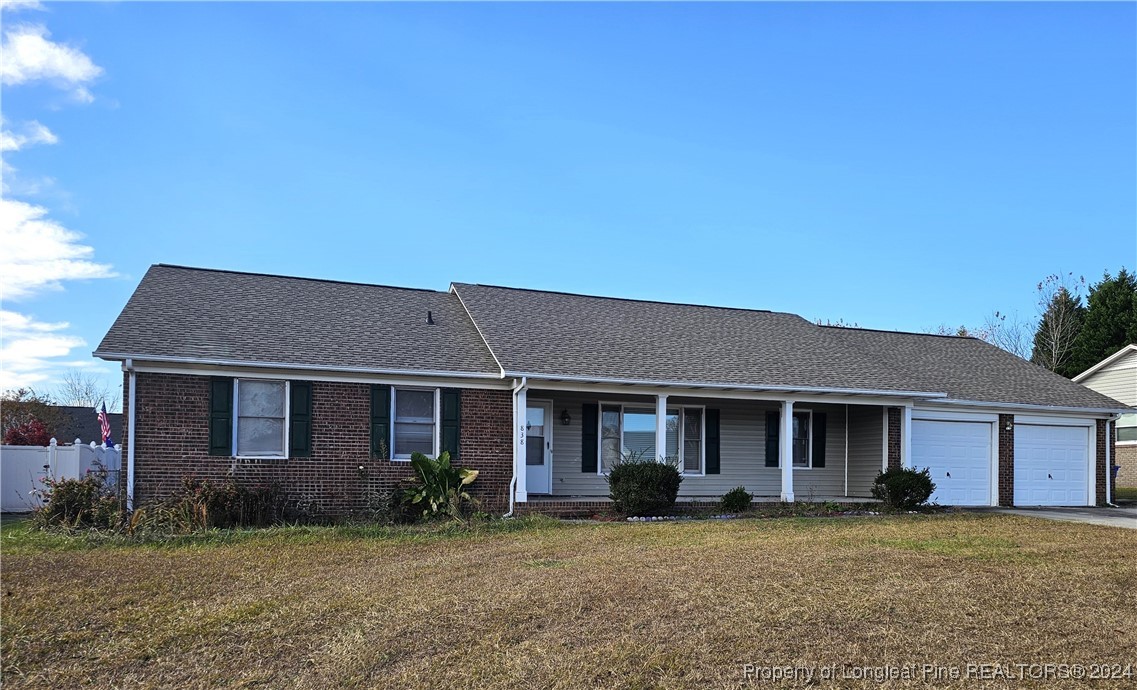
x=697, y=385
x=1011, y=408
x=1104, y=363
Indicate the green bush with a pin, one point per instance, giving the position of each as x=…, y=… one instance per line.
x=438, y=488
x=903, y=489
x=641, y=487
x=736, y=500
x=77, y=503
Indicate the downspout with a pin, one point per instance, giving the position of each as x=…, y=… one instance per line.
x=846, y=450
x=513, y=457
x=1109, y=427
x=128, y=364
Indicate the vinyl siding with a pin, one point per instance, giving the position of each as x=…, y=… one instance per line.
x=1119, y=381
x=866, y=447
x=742, y=430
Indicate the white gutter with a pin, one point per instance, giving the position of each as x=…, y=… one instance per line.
x=513, y=456
x=128, y=365
x=1040, y=408
x=728, y=386
x=116, y=356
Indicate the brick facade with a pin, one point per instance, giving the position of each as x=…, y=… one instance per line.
x=1126, y=456
x=1006, y=459
x=340, y=477
x=1102, y=472
x=893, y=437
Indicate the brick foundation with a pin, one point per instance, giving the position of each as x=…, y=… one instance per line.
x=340, y=477
x=893, y=437
x=1006, y=459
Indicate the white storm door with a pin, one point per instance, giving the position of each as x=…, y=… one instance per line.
x=539, y=447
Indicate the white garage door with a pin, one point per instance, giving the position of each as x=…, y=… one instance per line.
x=1051, y=465
x=958, y=456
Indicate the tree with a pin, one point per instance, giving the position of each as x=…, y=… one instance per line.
x=21, y=406
x=1110, y=321
x=30, y=433
x=1061, y=317
x=84, y=390
x=1007, y=332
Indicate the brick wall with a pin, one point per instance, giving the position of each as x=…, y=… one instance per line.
x=1006, y=459
x=1102, y=471
x=893, y=437
x=1126, y=456
x=172, y=442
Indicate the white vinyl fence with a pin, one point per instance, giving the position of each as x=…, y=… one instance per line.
x=22, y=469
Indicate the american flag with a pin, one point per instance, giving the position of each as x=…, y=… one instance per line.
x=106, y=425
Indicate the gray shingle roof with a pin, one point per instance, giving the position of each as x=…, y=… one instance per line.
x=200, y=314
x=556, y=334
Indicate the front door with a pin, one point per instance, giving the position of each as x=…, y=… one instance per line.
x=538, y=448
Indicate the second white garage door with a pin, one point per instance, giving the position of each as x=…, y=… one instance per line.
x=958, y=456
x=1051, y=465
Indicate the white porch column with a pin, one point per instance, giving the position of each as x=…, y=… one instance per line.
x=786, y=450
x=660, y=426
x=519, y=420
x=906, y=436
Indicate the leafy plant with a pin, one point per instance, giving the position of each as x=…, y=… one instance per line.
x=30, y=433
x=77, y=503
x=736, y=500
x=641, y=487
x=903, y=489
x=439, y=487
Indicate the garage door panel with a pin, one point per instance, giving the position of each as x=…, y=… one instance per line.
x=1051, y=465
x=958, y=457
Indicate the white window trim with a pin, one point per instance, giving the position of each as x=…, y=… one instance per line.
x=1116, y=426
x=437, y=421
x=237, y=418
x=623, y=449
x=809, y=446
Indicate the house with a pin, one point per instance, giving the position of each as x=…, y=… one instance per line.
x=1116, y=376
x=327, y=387
x=81, y=422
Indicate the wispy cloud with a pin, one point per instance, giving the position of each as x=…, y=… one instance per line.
x=20, y=5
x=30, y=55
x=40, y=253
x=28, y=134
x=28, y=346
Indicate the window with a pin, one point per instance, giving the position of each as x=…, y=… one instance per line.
x=414, y=422
x=631, y=430
x=801, y=439
x=261, y=412
x=1126, y=428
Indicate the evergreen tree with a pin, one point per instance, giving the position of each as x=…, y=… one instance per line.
x=1110, y=321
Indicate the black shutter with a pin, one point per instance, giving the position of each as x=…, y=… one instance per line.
x=451, y=420
x=589, y=442
x=380, y=421
x=772, y=421
x=712, y=422
x=220, y=416
x=300, y=419
x=819, y=439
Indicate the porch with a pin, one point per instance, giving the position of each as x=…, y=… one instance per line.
x=813, y=448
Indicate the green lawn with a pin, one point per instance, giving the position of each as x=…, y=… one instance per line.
x=540, y=604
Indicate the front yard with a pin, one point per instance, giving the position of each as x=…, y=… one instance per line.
x=539, y=604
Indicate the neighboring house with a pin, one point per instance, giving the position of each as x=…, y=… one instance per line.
x=83, y=423
x=1116, y=376
x=327, y=387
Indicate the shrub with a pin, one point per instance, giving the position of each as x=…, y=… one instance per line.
x=438, y=488
x=30, y=433
x=77, y=503
x=903, y=489
x=736, y=500
x=201, y=504
x=643, y=487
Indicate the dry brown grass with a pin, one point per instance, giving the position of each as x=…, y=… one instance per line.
x=570, y=606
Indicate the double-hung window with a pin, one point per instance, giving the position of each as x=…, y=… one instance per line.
x=801, y=439
x=629, y=431
x=1126, y=426
x=415, y=423
x=261, y=418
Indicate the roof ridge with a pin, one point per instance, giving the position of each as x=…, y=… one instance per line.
x=634, y=299
x=288, y=277
x=886, y=330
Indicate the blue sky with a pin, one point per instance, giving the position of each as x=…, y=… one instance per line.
x=899, y=166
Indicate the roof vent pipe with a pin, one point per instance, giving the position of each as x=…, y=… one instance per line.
x=429, y=318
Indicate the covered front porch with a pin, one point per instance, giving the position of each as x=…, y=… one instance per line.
x=809, y=447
